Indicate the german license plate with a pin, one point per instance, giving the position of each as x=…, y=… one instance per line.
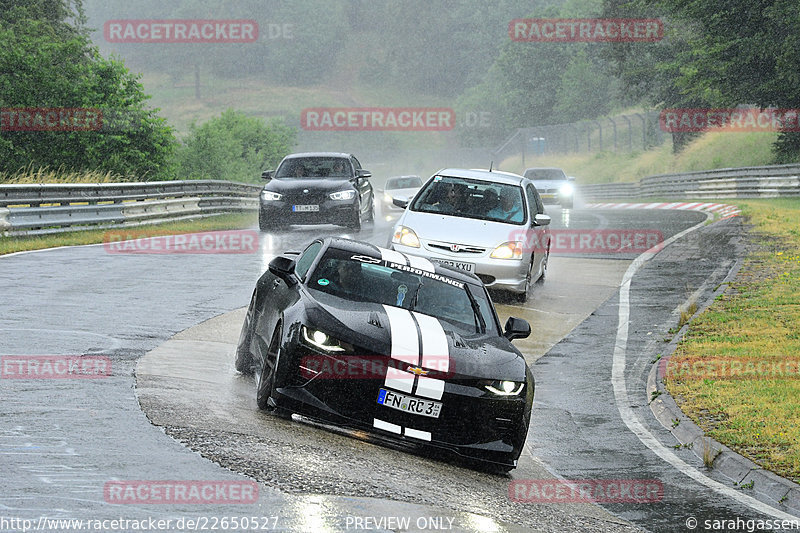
x=409, y=404
x=469, y=267
x=305, y=208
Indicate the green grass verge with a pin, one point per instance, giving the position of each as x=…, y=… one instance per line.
x=13, y=244
x=709, y=151
x=736, y=373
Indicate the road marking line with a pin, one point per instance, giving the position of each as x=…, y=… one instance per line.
x=629, y=417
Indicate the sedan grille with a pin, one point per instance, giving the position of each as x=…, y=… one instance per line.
x=456, y=248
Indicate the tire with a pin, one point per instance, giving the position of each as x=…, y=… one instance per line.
x=355, y=223
x=265, y=385
x=244, y=359
x=371, y=214
x=522, y=297
x=543, y=276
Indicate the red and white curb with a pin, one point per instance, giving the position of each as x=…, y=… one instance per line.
x=721, y=210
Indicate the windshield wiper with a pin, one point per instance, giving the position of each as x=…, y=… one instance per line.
x=413, y=303
x=476, y=310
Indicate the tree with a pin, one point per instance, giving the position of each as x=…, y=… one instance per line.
x=49, y=63
x=234, y=147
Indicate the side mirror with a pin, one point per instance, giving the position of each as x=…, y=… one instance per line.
x=283, y=267
x=267, y=174
x=516, y=328
x=541, y=220
x=402, y=203
x=361, y=173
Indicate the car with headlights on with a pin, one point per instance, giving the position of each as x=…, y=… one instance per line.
x=402, y=187
x=316, y=188
x=553, y=184
x=374, y=340
x=489, y=223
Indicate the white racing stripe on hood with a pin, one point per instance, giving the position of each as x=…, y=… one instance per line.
x=404, y=338
x=392, y=255
x=435, y=350
x=420, y=263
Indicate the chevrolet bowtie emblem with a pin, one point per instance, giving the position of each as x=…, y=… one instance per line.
x=417, y=371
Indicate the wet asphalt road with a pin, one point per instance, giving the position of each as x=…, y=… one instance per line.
x=61, y=441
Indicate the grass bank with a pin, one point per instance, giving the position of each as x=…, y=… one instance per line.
x=711, y=150
x=736, y=373
x=222, y=222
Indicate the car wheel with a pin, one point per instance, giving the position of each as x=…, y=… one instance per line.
x=355, y=223
x=522, y=297
x=371, y=214
x=244, y=359
x=265, y=385
x=543, y=275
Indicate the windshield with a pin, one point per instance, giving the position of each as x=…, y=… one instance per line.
x=545, y=174
x=405, y=182
x=315, y=167
x=368, y=279
x=483, y=200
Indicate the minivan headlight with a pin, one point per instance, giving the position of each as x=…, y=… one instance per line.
x=508, y=250
x=406, y=237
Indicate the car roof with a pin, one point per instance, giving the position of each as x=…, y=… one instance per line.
x=497, y=176
x=365, y=248
x=319, y=154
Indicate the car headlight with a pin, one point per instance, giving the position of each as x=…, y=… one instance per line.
x=406, y=237
x=320, y=339
x=508, y=250
x=342, y=195
x=567, y=189
x=387, y=198
x=270, y=196
x=504, y=388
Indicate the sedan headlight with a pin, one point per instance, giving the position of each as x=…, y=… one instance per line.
x=387, y=198
x=321, y=340
x=508, y=250
x=567, y=189
x=406, y=237
x=342, y=195
x=504, y=388
x=270, y=196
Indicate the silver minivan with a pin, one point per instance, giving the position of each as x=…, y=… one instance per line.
x=490, y=223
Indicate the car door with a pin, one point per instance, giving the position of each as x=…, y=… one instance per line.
x=542, y=233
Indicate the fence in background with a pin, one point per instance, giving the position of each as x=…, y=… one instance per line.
x=747, y=182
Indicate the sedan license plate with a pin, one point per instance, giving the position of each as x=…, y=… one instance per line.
x=409, y=404
x=305, y=208
x=468, y=267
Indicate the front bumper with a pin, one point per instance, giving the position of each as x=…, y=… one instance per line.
x=473, y=424
x=502, y=274
x=330, y=212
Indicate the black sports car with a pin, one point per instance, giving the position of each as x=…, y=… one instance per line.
x=316, y=188
x=370, y=338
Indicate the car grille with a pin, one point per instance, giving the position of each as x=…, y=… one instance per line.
x=461, y=248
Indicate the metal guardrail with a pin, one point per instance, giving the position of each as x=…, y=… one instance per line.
x=53, y=208
x=747, y=182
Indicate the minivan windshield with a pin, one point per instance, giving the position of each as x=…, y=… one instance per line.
x=469, y=198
